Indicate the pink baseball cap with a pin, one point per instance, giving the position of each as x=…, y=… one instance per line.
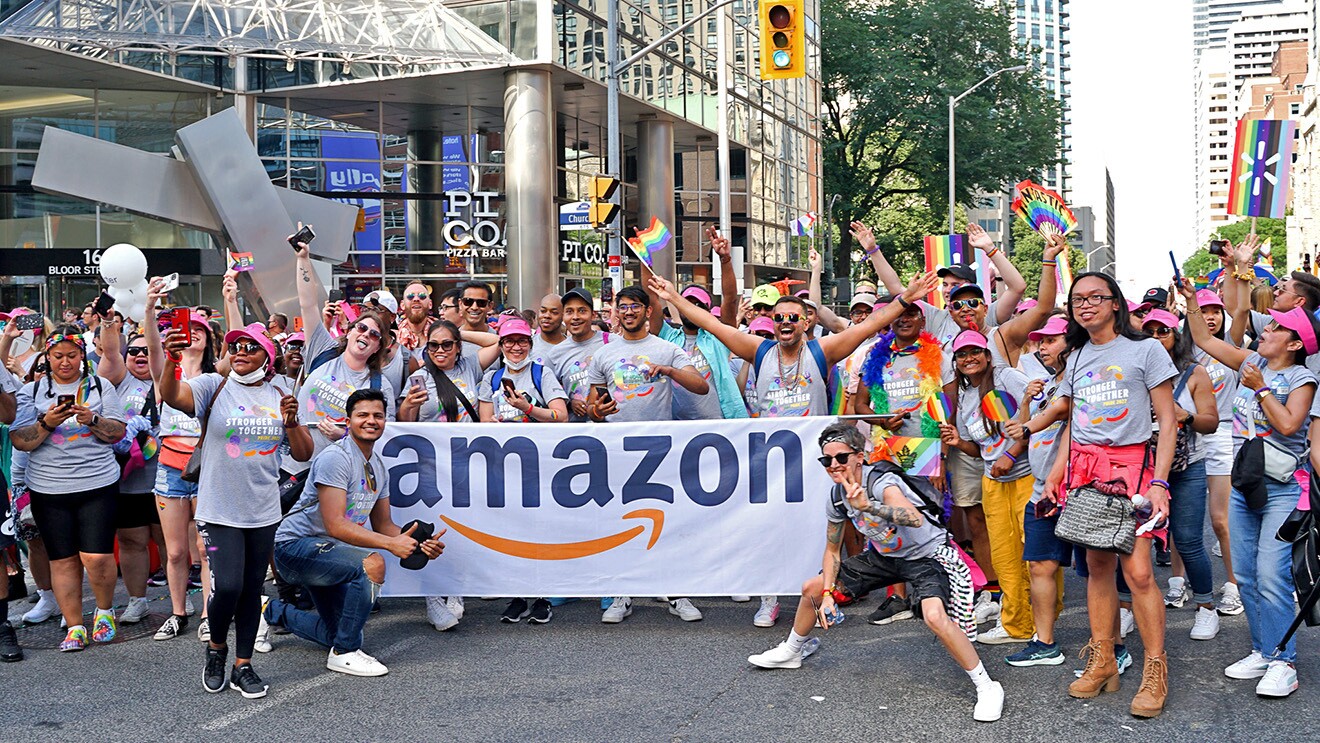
x=1133, y=306
x=697, y=293
x=761, y=325
x=297, y=337
x=1207, y=298
x=715, y=311
x=515, y=326
x=256, y=332
x=1298, y=322
x=969, y=338
x=1025, y=305
x=1056, y=325
x=1163, y=317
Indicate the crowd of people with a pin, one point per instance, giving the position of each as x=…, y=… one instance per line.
x=240, y=448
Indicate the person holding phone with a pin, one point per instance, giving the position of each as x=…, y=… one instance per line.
x=903, y=546
x=67, y=425
x=571, y=358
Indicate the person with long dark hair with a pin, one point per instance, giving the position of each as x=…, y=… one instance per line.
x=1118, y=379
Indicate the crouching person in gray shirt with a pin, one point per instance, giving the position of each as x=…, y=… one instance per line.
x=326, y=544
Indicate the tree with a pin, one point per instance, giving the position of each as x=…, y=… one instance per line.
x=1202, y=263
x=888, y=70
x=1028, y=248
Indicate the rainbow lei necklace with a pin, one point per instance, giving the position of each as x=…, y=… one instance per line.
x=929, y=357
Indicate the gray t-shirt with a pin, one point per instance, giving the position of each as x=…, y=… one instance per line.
x=790, y=390
x=890, y=540
x=1044, y=446
x=1110, y=388
x=132, y=398
x=692, y=407
x=325, y=391
x=523, y=382
x=1224, y=381
x=940, y=322
x=397, y=370
x=624, y=367
x=973, y=426
x=240, y=467
x=465, y=375
x=571, y=360
x=541, y=348
x=1281, y=383
x=72, y=459
x=340, y=465
x=1258, y=322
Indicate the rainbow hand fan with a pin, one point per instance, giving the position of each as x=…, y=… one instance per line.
x=998, y=406
x=938, y=407
x=1043, y=209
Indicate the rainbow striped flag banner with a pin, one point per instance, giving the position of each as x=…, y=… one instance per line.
x=241, y=262
x=1262, y=161
x=650, y=241
x=942, y=251
x=1063, y=274
x=917, y=456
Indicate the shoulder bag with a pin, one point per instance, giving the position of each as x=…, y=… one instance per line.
x=193, y=472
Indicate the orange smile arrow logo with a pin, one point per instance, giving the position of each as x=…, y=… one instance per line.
x=568, y=550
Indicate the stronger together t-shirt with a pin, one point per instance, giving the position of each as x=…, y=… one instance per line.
x=1110, y=388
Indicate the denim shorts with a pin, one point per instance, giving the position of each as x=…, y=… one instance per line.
x=170, y=483
x=1039, y=542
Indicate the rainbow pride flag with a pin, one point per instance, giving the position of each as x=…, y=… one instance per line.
x=241, y=262
x=917, y=456
x=998, y=406
x=1063, y=274
x=942, y=251
x=938, y=407
x=650, y=241
x=1262, y=161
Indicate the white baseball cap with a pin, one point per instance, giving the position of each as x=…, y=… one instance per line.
x=385, y=299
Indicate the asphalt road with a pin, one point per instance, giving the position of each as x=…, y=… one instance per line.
x=652, y=677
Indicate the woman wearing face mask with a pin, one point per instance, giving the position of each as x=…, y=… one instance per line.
x=245, y=419
x=67, y=424
x=1198, y=416
x=179, y=432
x=1274, y=403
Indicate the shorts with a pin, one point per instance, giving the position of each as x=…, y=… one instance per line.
x=926, y=579
x=170, y=483
x=1039, y=542
x=1218, y=448
x=965, y=475
x=135, y=510
x=71, y=523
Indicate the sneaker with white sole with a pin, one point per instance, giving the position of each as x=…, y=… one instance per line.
x=683, y=609
x=1127, y=622
x=1280, y=680
x=262, y=643
x=244, y=680
x=1036, y=653
x=356, y=663
x=455, y=606
x=136, y=610
x=438, y=614
x=768, y=613
x=172, y=628
x=989, y=702
x=1206, y=626
x=620, y=608
x=893, y=609
x=1230, y=601
x=517, y=610
x=740, y=599
x=986, y=608
x=1121, y=656
x=46, y=608
x=1177, y=594
x=204, y=630
x=997, y=635
x=780, y=656
x=1251, y=667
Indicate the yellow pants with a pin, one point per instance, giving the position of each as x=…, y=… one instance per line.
x=1004, y=503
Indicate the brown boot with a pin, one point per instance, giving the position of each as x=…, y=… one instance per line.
x=1101, y=670
x=1149, y=701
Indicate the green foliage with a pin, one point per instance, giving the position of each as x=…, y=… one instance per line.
x=1274, y=229
x=1201, y=263
x=1028, y=247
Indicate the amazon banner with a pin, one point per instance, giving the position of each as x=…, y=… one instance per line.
x=689, y=508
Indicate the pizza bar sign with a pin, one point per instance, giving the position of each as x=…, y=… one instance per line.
x=472, y=225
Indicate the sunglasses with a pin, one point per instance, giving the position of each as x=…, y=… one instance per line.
x=767, y=336
x=516, y=341
x=1160, y=331
x=244, y=347
x=365, y=328
x=963, y=353
x=966, y=304
x=474, y=302
x=446, y=346
x=370, y=475
x=1143, y=313
x=297, y=346
x=416, y=295
x=790, y=317
x=136, y=351
x=837, y=459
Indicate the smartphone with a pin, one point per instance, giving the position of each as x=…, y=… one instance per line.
x=179, y=319
x=1218, y=247
x=1044, y=506
x=509, y=389
x=601, y=392
x=416, y=383
x=336, y=295
x=103, y=304
x=305, y=236
x=64, y=401
x=1177, y=275
x=28, y=322
x=171, y=283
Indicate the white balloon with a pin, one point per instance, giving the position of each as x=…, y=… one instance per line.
x=123, y=265
x=116, y=292
x=135, y=312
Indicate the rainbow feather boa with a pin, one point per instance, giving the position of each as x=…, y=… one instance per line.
x=929, y=357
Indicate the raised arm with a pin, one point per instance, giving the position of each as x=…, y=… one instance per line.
x=1227, y=353
x=728, y=279
x=883, y=271
x=742, y=345
x=229, y=289
x=1240, y=265
x=837, y=346
x=1013, y=333
x=112, y=366
x=824, y=315
x=309, y=289
x=1014, y=284
x=151, y=329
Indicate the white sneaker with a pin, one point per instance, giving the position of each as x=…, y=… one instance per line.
x=1126, y=622
x=997, y=635
x=46, y=608
x=1177, y=594
x=740, y=599
x=683, y=609
x=204, y=631
x=1230, y=601
x=989, y=702
x=1280, y=680
x=262, y=644
x=768, y=613
x=1251, y=667
x=620, y=608
x=1207, y=624
x=136, y=610
x=188, y=609
x=356, y=663
x=438, y=613
x=986, y=609
x=455, y=606
x=780, y=656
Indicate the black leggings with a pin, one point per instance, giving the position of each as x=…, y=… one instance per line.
x=238, y=559
x=77, y=522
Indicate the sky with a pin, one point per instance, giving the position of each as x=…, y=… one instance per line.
x=1132, y=111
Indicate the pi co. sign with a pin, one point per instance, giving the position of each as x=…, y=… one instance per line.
x=472, y=228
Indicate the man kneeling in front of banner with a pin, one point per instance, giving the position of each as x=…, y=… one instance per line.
x=326, y=544
x=905, y=545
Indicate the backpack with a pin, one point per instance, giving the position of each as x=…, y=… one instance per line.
x=817, y=353
x=537, y=371
x=931, y=500
x=326, y=357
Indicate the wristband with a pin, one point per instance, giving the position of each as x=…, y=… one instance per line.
x=1262, y=392
x=1162, y=484
x=906, y=304
x=42, y=421
x=872, y=251
x=1049, y=263
x=992, y=252
x=1010, y=456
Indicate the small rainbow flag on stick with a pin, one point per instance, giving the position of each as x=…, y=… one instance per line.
x=1262, y=160
x=650, y=241
x=938, y=407
x=942, y=251
x=998, y=406
x=241, y=262
x=917, y=456
x=1063, y=273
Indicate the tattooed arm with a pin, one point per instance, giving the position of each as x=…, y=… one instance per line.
x=896, y=509
x=309, y=291
x=829, y=567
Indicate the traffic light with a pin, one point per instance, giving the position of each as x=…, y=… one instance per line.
x=783, y=40
x=602, y=190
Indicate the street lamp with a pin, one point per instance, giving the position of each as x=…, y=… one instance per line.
x=1089, y=253
x=953, y=103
